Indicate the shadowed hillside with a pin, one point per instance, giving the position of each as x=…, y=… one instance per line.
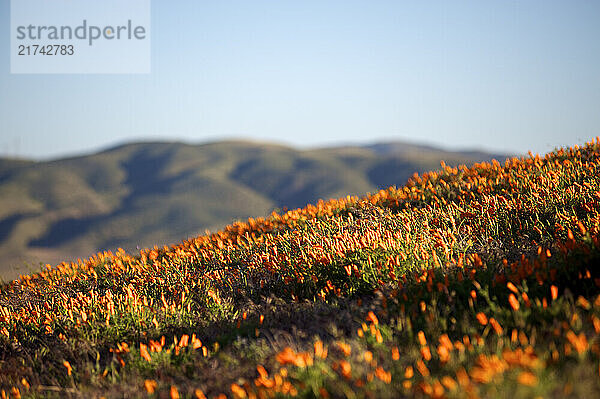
x=147, y=194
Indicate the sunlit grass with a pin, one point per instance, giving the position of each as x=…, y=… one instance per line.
x=466, y=282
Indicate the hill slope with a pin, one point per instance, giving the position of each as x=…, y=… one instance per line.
x=140, y=195
x=466, y=282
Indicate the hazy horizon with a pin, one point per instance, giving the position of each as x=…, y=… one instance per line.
x=365, y=143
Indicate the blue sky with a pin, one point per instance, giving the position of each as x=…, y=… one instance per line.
x=497, y=75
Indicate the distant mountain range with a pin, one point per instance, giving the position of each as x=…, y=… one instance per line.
x=142, y=194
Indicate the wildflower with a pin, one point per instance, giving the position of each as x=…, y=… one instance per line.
x=422, y=368
x=68, y=366
x=289, y=356
x=514, y=303
x=144, y=352
x=238, y=391
x=527, y=378
x=496, y=326
x=554, y=292
x=579, y=342
x=584, y=303
x=196, y=343
x=150, y=386
x=345, y=348
x=262, y=371
x=443, y=353
x=372, y=318
x=445, y=341
x=512, y=287
x=378, y=336
x=449, y=382
x=383, y=375
x=320, y=351
x=526, y=299
x=482, y=318
x=582, y=228
x=183, y=342
x=395, y=353
x=426, y=353
x=345, y=369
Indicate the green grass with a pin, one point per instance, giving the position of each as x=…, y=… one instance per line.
x=466, y=282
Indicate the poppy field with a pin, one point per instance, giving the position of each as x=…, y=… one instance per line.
x=467, y=282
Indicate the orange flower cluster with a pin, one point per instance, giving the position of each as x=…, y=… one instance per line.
x=289, y=356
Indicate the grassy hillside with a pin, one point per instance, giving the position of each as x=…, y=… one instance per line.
x=464, y=283
x=141, y=195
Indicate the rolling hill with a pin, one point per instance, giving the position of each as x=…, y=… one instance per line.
x=466, y=282
x=145, y=194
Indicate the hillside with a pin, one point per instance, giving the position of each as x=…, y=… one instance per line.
x=141, y=195
x=464, y=283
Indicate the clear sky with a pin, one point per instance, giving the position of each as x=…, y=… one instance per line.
x=498, y=75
